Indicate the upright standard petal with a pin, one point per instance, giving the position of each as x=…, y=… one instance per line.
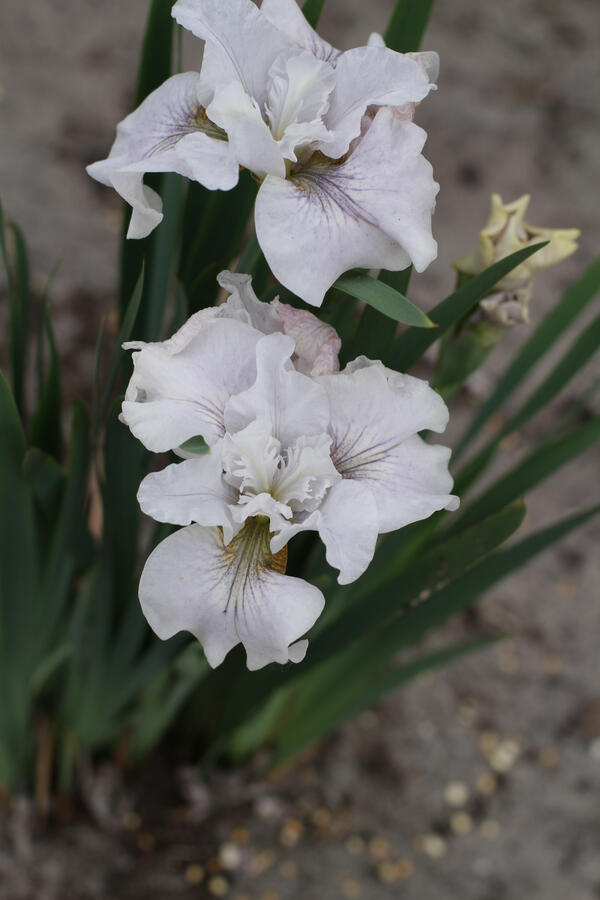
x=292, y=404
x=372, y=210
x=174, y=396
x=364, y=77
x=227, y=594
x=376, y=415
x=168, y=132
x=190, y=491
x=237, y=32
x=298, y=98
x=289, y=19
x=251, y=141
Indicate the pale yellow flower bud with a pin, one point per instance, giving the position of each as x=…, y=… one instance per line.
x=505, y=233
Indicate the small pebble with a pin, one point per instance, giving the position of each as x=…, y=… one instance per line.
x=230, y=856
x=461, y=823
x=379, y=848
x=194, y=874
x=218, y=886
x=456, y=793
x=291, y=832
x=486, y=784
x=434, y=846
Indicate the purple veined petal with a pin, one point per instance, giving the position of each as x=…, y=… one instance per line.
x=168, y=132
x=226, y=594
x=376, y=415
x=371, y=210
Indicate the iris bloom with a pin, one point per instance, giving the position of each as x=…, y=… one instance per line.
x=328, y=134
x=294, y=445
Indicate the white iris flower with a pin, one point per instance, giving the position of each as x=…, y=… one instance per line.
x=328, y=134
x=295, y=445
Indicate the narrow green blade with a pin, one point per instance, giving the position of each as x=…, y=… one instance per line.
x=129, y=319
x=407, y=25
x=384, y=299
x=312, y=10
x=45, y=431
x=374, y=336
x=17, y=278
x=341, y=702
x=411, y=345
x=538, y=466
x=551, y=329
x=154, y=68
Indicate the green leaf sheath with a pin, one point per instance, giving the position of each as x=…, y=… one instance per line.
x=407, y=25
x=545, y=336
x=411, y=345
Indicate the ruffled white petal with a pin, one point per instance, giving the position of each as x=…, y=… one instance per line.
x=243, y=39
x=168, y=132
x=225, y=595
x=373, y=210
x=250, y=139
x=376, y=415
x=348, y=524
x=292, y=404
x=305, y=474
x=190, y=491
x=369, y=76
x=287, y=16
x=173, y=396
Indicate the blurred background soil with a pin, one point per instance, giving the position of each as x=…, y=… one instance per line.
x=483, y=782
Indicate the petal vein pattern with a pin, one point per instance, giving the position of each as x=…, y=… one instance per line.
x=225, y=594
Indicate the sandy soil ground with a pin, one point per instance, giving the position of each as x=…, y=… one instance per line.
x=479, y=784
